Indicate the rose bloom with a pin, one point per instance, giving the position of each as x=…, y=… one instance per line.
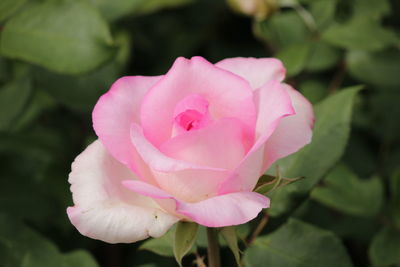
x=189, y=145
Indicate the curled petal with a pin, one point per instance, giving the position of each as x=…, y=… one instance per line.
x=106, y=210
x=257, y=71
x=219, y=211
x=273, y=104
x=293, y=132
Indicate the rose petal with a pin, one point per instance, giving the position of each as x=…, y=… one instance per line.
x=228, y=96
x=220, y=211
x=113, y=115
x=273, y=104
x=220, y=145
x=185, y=180
x=293, y=132
x=257, y=71
x=106, y=210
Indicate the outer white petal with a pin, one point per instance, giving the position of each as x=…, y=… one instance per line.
x=106, y=210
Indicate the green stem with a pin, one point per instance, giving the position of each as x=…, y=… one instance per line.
x=213, y=248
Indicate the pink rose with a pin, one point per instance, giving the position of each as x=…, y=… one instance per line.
x=188, y=145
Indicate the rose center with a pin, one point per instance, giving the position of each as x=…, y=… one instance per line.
x=189, y=119
x=191, y=113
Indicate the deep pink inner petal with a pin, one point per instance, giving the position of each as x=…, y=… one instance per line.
x=191, y=113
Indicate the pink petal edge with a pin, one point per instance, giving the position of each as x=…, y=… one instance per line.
x=257, y=71
x=274, y=104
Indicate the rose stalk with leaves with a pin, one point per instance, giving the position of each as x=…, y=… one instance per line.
x=187, y=146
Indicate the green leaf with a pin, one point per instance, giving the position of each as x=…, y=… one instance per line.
x=81, y=92
x=282, y=29
x=314, y=90
x=297, y=244
x=323, y=12
x=38, y=104
x=380, y=69
x=8, y=7
x=322, y=56
x=116, y=9
x=21, y=246
x=185, y=236
x=162, y=245
x=344, y=191
x=229, y=234
x=294, y=57
x=395, y=197
x=64, y=36
x=371, y=8
x=78, y=93
x=330, y=134
x=13, y=99
x=360, y=33
x=347, y=227
x=148, y=6
x=267, y=183
x=385, y=247
x=79, y=258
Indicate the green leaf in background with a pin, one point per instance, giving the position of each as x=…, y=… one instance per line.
x=297, y=244
x=313, y=89
x=294, y=57
x=395, y=197
x=330, y=134
x=282, y=29
x=116, y=9
x=322, y=56
x=38, y=104
x=360, y=33
x=81, y=92
x=323, y=12
x=385, y=247
x=185, y=236
x=342, y=190
x=380, y=69
x=79, y=258
x=162, y=245
x=8, y=7
x=347, y=227
x=21, y=246
x=5, y=71
x=230, y=236
x=64, y=36
x=371, y=9
x=13, y=99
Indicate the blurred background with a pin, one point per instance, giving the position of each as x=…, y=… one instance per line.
x=58, y=56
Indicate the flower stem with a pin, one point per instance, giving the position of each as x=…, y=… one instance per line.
x=213, y=248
